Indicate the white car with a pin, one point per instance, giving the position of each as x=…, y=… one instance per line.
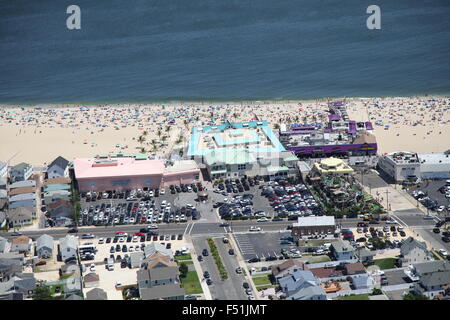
x=131, y=249
x=101, y=241
x=135, y=239
x=162, y=191
x=443, y=252
x=441, y=209
x=152, y=226
x=92, y=267
x=263, y=219
x=391, y=221
x=253, y=228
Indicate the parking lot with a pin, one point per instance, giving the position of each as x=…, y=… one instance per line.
x=431, y=194
x=122, y=274
x=164, y=206
x=271, y=200
x=262, y=245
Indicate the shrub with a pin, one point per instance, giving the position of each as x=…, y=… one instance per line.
x=217, y=259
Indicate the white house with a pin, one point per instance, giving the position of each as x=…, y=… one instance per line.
x=413, y=251
x=68, y=247
x=59, y=168
x=21, y=171
x=3, y=169
x=44, y=246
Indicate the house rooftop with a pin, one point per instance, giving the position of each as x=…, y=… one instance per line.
x=60, y=162
x=342, y=246
x=161, y=292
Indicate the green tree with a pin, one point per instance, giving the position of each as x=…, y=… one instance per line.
x=42, y=293
x=376, y=292
x=183, y=270
x=412, y=296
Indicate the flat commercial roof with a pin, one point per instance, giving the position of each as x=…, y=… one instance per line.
x=234, y=136
x=313, y=221
x=103, y=168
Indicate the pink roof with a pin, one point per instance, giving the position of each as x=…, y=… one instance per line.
x=102, y=168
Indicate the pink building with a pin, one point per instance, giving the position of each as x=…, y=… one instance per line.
x=95, y=174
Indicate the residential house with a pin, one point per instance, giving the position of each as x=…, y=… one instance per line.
x=287, y=268
x=152, y=277
x=21, y=244
x=91, y=280
x=96, y=294
x=3, y=169
x=167, y=292
x=365, y=256
x=22, y=200
x=21, y=190
x=69, y=269
x=3, y=183
x=302, y=285
x=326, y=273
x=44, y=246
x=3, y=198
x=21, y=216
x=159, y=279
x=433, y=284
x=68, y=247
x=21, y=171
x=136, y=259
x=22, y=284
x=2, y=219
x=5, y=245
x=9, y=268
x=431, y=277
x=413, y=251
x=418, y=270
x=22, y=184
x=158, y=260
x=155, y=247
x=342, y=250
x=60, y=208
x=362, y=281
x=59, y=168
x=354, y=268
x=20, y=257
x=63, y=221
x=55, y=195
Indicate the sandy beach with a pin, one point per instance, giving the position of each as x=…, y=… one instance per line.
x=38, y=134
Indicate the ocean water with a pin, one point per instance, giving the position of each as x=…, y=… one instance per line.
x=153, y=50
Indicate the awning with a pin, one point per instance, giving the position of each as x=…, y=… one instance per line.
x=277, y=169
x=219, y=171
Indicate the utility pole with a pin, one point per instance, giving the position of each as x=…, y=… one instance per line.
x=387, y=199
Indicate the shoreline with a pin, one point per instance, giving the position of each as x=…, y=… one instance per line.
x=210, y=101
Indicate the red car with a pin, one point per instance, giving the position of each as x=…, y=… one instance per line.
x=139, y=234
x=144, y=220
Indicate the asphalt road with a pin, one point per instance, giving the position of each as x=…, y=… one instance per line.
x=192, y=228
x=233, y=285
x=219, y=289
